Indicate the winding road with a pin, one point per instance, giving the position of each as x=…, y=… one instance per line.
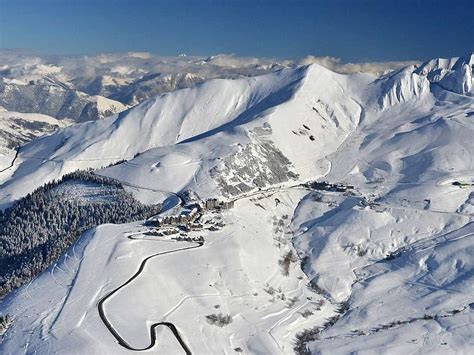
x=169, y=325
x=197, y=244
x=101, y=304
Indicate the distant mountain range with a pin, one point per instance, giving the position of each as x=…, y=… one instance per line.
x=76, y=87
x=80, y=89
x=87, y=88
x=221, y=106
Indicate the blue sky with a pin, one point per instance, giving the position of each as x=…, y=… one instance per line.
x=365, y=30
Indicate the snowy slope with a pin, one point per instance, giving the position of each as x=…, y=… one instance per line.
x=129, y=78
x=224, y=275
x=454, y=74
x=431, y=284
x=270, y=111
x=396, y=249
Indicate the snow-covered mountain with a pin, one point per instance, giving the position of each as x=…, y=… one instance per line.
x=17, y=128
x=387, y=255
x=85, y=88
x=56, y=99
x=80, y=89
x=128, y=78
x=152, y=85
x=35, y=97
x=131, y=78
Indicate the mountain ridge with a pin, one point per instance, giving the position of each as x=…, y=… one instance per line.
x=177, y=117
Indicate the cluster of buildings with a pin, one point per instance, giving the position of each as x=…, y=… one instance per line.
x=184, y=217
x=215, y=204
x=326, y=186
x=187, y=215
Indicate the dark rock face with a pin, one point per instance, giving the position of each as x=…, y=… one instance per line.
x=50, y=100
x=152, y=85
x=256, y=165
x=24, y=131
x=54, y=100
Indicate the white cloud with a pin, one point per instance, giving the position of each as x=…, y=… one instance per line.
x=136, y=64
x=335, y=65
x=231, y=60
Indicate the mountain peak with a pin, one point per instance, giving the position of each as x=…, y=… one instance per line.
x=453, y=74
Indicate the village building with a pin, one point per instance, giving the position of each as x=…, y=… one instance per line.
x=214, y=203
x=211, y=204
x=326, y=186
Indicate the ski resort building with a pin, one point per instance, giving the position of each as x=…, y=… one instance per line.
x=326, y=186
x=184, y=217
x=214, y=203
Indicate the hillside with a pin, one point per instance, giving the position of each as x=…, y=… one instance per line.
x=79, y=89
x=17, y=128
x=237, y=112
x=377, y=259
x=56, y=99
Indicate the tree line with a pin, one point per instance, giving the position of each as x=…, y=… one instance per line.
x=37, y=229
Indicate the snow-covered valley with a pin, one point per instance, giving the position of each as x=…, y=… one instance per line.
x=379, y=260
